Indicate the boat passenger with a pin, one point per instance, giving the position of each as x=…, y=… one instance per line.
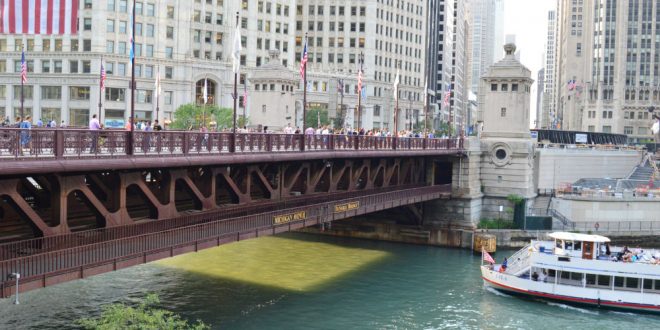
x=504, y=266
x=535, y=276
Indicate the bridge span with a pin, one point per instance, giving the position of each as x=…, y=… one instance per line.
x=75, y=203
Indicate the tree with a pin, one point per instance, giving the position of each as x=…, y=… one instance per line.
x=144, y=316
x=313, y=115
x=192, y=116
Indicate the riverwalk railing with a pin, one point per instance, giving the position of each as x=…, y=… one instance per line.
x=642, y=226
x=47, y=143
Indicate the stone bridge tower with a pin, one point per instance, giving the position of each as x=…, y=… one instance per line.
x=507, y=162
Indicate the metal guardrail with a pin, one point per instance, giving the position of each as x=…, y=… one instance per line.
x=46, y=143
x=650, y=226
x=53, y=262
x=564, y=220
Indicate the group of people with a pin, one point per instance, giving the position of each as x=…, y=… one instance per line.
x=40, y=123
x=327, y=130
x=638, y=255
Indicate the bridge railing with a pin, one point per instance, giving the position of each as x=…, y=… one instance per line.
x=197, y=227
x=46, y=143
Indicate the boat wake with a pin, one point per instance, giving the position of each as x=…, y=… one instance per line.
x=496, y=292
x=573, y=308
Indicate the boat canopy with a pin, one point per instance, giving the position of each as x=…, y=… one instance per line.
x=579, y=237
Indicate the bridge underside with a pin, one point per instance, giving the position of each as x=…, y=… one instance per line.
x=59, y=227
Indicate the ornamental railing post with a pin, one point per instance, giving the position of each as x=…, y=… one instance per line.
x=59, y=144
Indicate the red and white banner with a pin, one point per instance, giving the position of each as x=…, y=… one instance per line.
x=39, y=16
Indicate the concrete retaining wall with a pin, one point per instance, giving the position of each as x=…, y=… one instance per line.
x=555, y=166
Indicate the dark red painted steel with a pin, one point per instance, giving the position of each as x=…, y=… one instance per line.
x=48, y=268
x=79, y=144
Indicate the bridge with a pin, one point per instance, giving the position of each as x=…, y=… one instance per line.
x=76, y=203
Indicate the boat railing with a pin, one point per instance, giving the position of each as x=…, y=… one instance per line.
x=519, y=260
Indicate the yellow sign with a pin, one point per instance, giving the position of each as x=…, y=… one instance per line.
x=347, y=207
x=280, y=219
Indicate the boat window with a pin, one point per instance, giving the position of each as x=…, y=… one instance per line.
x=648, y=284
x=591, y=279
x=565, y=275
x=576, y=276
x=604, y=280
x=569, y=245
x=552, y=272
x=618, y=281
x=632, y=282
x=577, y=246
x=558, y=244
x=657, y=285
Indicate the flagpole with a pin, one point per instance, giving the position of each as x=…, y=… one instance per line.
x=158, y=93
x=131, y=120
x=101, y=89
x=343, y=113
x=22, y=96
x=245, y=101
x=359, y=122
x=396, y=107
x=232, y=146
x=304, y=107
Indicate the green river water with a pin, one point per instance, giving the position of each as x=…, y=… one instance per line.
x=298, y=281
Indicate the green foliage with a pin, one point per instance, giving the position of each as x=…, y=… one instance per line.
x=515, y=199
x=192, y=116
x=311, y=119
x=496, y=224
x=444, y=129
x=143, y=316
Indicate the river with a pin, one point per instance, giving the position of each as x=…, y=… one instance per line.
x=299, y=281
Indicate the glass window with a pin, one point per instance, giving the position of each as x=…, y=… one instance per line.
x=111, y=5
x=151, y=9
x=150, y=30
x=168, y=97
x=27, y=92
x=618, y=281
x=115, y=94
x=86, y=66
x=493, y=87
x=78, y=93
x=505, y=87
x=51, y=92
x=168, y=72
x=57, y=66
x=632, y=282
x=121, y=48
x=144, y=96
x=110, y=25
x=169, y=52
x=45, y=66
x=79, y=117
x=73, y=66
x=109, y=46
x=514, y=87
x=51, y=114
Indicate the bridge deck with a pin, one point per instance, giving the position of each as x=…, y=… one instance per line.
x=48, y=261
x=62, y=150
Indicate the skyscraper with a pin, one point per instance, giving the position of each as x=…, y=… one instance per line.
x=483, y=30
x=548, y=111
x=607, y=66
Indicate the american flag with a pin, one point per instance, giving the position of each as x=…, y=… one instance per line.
x=42, y=17
x=359, y=82
x=245, y=94
x=23, y=68
x=487, y=257
x=447, y=97
x=102, y=76
x=131, y=42
x=303, y=61
x=571, y=85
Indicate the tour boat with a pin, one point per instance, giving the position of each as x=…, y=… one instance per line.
x=580, y=269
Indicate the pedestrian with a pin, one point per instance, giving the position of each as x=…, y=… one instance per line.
x=94, y=127
x=288, y=129
x=157, y=127
x=26, y=139
x=655, y=129
x=40, y=123
x=6, y=122
x=62, y=124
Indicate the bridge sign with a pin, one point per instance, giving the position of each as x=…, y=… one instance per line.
x=347, y=206
x=285, y=218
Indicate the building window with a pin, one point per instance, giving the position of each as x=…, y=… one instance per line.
x=79, y=93
x=45, y=66
x=78, y=117
x=493, y=87
x=169, y=52
x=143, y=96
x=115, y=94
x=86, y=66
x=169, y=32
x=607, y=129
x=503, y=112
x=110, y=25
x=51, y=92
x=514, y=87
x=51, y=114
x=168, y=97
x=628, y=130
x=505, y=87
x=169, y=72
x=73, y=66
x=87, y=24
x=57, y=66
x=27, y=92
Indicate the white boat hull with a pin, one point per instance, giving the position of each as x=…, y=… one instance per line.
x=570, y=294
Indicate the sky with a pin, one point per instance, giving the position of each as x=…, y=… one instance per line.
x=528, y=20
